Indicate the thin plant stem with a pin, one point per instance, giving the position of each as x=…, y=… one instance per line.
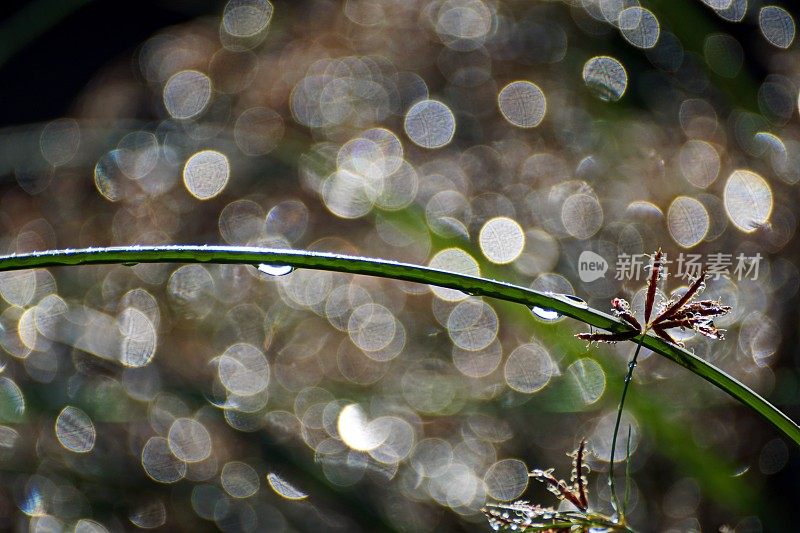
x=611, y=483
x=473, y=285
x=627, y=473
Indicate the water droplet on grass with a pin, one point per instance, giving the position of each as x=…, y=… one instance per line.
x=545, y=314
x=275, y=270
x=574, y=300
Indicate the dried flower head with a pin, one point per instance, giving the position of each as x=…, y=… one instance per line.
x=576, y=492
x=683, y=313
x=519, y=516
x=525, y=516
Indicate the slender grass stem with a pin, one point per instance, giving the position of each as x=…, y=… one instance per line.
x=473, y=285
x=627, y=474
x=611, y=483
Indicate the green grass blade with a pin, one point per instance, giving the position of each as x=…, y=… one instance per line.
x=401, y=271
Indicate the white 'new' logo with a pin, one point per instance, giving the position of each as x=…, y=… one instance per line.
x=591, y=266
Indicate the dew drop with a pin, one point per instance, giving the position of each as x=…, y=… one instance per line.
x=523, y=104
x=777, y=26
x=545, y=314
x=639, y=27
x=206, y=173
x=574, y=300
x=32, y=505
x=275, y=270
x=283, y=488
x=186, y=94
x=75, y=430
x=506, y=480
x=606, y=77
x=741, y=471
x=430, y=124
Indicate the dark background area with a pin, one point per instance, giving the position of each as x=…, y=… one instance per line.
x=50, y=49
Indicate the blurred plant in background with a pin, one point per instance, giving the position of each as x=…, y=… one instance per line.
x=503, y=138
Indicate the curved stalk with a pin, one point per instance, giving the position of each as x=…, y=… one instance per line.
x=620, y=509
x=473, y=285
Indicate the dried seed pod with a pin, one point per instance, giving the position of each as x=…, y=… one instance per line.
x=682, y=313
x=652, y=285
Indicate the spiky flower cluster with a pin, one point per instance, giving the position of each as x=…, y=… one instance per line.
x=523, y=515
x=683, y=313
x=519, y=516
x=575, y=493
